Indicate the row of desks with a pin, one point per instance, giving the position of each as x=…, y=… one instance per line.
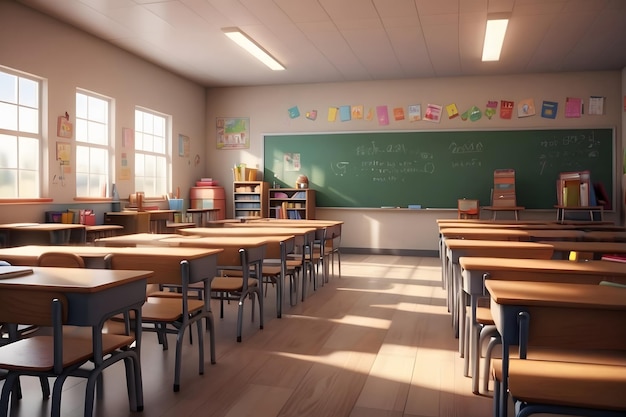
x=97, y=293
x=474, y=268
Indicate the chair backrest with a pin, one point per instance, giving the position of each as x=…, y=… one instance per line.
x=60, y=259
x=467, y=208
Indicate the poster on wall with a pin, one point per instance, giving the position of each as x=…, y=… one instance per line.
x=233, y=132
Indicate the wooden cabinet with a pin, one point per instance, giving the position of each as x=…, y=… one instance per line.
x=250, y=199
x=292, y=203
x=209, y=197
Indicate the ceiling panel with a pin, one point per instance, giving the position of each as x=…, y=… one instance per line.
x=341, y=40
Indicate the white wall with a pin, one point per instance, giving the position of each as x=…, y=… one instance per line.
x=267, y=106
x=68, y=59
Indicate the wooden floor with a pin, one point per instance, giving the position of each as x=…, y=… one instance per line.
x=377, y=342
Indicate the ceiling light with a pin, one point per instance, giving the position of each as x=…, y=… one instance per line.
x=494, y=36
x=247, y=43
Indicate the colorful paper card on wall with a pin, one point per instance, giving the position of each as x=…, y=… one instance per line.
x=573, y=107
x=526, y=108
x=452, y=110
x=383, y=115
x=596, y=105
x=398, y=114
x=294, y=112
x=415, y=112
x=491, y=107
x=370, y=114
x=332, y=114
x=344, y=113
x=506, y=109
x=311, y=115
x=357, y=112
x=549, y=109
x=433, y=113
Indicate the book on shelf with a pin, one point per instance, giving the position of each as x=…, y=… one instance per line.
x=299, y=195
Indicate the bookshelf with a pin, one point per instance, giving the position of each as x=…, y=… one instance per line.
x=250, y=199
x=292, y=203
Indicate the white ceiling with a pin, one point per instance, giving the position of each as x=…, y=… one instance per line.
x=353, y=40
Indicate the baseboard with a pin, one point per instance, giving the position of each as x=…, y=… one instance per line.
x=396, y=252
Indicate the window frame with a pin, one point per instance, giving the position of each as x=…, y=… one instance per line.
x=166, y=154
x=108, y=147
x=18, y=193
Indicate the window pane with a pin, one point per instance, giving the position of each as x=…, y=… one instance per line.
x=29, y=93
x=97, y=133
x=29, y=154
x=159, y=144
x=97, y=185
x=148, y=143
x=148, y=126
x=8, y=151
x=138, y=140
x=29, y=120
x=81, y=106
x=82, y=184
x=8, y=183
x=98, y=161
x=8, y=88
x=82, y=159
x=81, y=130
x=97, y=110
x=8, y=116
x=139, y=166
x=29, y=184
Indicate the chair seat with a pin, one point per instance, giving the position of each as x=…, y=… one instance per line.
x=483, y=316
x=585, y=385
x=167, y=309
x=231, y=284
x=37, y=353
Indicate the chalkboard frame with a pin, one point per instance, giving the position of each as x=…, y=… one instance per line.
x=440, y=141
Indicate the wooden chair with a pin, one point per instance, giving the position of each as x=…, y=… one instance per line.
x=240, y=286
x=333, y=247
x=172, y=315
x=301, y=261
x=60, y=259
x=60, y=355
x=467, y=209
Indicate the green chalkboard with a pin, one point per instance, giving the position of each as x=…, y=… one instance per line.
x=434, y=169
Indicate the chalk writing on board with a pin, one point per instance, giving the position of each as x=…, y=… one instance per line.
x=569, y=152
x=466, y=147
x=468, y=163
x=373, y=148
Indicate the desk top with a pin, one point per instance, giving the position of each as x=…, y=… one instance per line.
x=543, y=266
x=484, y=234
x=495, y=244
x=531, y=293
x=605, y=235
x=246, y=231
x=77, y=280
x=503, y=208
x=583, y=246
x=42, y=226
x=28, y=255
x=579, y=207
x=224, y=242
x=132, y=239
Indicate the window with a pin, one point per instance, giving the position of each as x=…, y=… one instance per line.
x=20, y=135
x=152, y=158
x=92, y=144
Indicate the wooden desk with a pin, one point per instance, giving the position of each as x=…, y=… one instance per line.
x=561, y=210
x=45, y=233
x=102, y=230
x=304, y=238
x=495, y=209
x=94, y=255
x=159, y=219
x=275, y=248
x=134, y=239
x=585, y=250
x=202, y=216
x=605, y=236
x=92, y=296
x=594, y=315
x=458, y=248
x=475, y=268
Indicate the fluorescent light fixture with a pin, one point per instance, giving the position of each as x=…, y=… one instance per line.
x=494, y=36
x=253, y=48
